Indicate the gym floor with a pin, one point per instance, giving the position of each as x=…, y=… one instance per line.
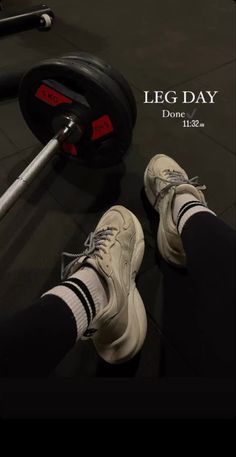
x=156, y=45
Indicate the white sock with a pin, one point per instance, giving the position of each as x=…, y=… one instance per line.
x=185, y=206
x=85, y=294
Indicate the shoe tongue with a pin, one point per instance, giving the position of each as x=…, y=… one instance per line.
x=187, y=188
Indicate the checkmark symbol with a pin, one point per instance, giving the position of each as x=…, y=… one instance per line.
x=190, y=115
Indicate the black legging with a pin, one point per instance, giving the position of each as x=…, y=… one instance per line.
x=202, y=298
x=199, y=302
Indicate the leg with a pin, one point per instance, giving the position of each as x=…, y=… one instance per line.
x=210, y=247
x=191, y=236
x=34, y=341
x=97, y=299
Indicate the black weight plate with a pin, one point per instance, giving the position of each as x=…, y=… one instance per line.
x=109, y=147
x=113, y=73
x=58, y=86
x=113, y=83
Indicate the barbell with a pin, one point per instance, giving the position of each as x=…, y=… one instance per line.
x=79, y=106
x=40, y=17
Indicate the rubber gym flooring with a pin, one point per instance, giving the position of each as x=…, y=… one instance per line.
x=156, y=45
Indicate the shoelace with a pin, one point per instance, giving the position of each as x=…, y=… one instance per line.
x=176, y=178
x=95, y=244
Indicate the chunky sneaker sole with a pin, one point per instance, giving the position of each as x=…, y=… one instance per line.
x=160, y=190
x=115, y=250
x=132, y=337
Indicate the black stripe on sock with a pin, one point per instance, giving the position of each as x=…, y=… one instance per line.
x=195, y=202
x=185, y=208
x=85, y=289
x=80, y=297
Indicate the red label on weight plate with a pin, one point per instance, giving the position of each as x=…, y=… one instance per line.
x=70, y=149
x=101, y=127
x=51, y=96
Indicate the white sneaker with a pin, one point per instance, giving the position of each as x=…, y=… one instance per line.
x=163, y=179
x=115, y=250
